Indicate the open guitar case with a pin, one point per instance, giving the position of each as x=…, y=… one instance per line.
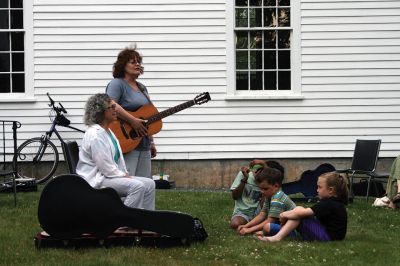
x=75, y=215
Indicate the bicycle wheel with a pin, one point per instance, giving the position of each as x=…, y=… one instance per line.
x=33, y=163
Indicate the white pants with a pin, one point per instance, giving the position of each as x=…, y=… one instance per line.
x=139, y=191
x=138, y=163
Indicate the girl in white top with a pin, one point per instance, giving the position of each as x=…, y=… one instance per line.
x=101, y=162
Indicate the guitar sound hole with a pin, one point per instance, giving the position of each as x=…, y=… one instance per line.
x=133, y=134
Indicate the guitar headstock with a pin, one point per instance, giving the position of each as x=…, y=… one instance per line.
x=202, y=98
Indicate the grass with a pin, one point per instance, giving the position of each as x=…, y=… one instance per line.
x=372, y=238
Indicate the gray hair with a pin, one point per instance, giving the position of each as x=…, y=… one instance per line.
x=95, y=107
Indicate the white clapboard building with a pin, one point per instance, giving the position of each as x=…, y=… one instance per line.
x=288, y=79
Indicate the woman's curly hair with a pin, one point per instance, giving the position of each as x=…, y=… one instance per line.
x=129, y=53
x=95, y=107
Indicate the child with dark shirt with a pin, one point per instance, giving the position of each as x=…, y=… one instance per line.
x=326, y=220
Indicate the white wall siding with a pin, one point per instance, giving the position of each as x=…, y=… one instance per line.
x=349, y=69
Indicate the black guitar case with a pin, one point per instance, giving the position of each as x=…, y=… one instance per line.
x=307, y=184
x=69, y=207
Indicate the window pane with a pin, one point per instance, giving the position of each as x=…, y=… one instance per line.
x=284, y=17
x=270, y=80
x=255, y=2
x=18, y=82
x=16, y=3
x=17, y=62
x=255, y=60
x=4, y=83
x=4, y=63
x=242, y=80
x=255, y=40
x=284, y=80
x=241, y=17
x=4, y=19
x=4, y=41
x=284, y=39
x=269, y=39
x=284, y=59
x=255, y=17
x=3, y=3
x=269, y=17
x=241, y=60
x=17, y=41
x=269, y=60
x=241, y=2
x=256, y=80
x=17, y=19
x=269, y=2
x=241, y=40
x=284, y=2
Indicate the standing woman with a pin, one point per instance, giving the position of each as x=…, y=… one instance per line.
x=101, y=162
x=130, y=95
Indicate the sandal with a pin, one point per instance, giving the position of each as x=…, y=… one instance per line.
x=396, y=198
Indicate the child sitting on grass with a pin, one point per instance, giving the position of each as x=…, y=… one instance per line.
x=324, y=221
x=269, y=181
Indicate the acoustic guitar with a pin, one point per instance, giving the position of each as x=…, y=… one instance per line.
x=127, y=136
x=70, y=207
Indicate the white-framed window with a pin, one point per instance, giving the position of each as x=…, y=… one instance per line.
x=16, y=50
x=263, y=58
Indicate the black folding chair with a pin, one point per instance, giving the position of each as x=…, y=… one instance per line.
x=71, y=155
x=8, y=152
x=365, y=158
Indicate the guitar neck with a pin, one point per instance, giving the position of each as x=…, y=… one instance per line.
x=170, y=111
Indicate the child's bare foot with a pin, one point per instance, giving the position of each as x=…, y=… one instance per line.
x=268, y=239
x=259, y=233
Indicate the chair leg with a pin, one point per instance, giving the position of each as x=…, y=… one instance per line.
x=350, y=178
x=15, y=190
x=368, y=187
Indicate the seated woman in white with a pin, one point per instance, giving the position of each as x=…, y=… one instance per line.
x=101, y=162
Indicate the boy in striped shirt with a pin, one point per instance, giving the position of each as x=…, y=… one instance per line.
x=266, y=223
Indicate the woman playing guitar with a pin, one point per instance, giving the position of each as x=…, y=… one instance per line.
x=130, y=95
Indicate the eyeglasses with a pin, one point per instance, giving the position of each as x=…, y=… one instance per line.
x=113, y=106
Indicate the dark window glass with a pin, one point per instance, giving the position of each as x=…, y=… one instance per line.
x=4, y=41
x=241, y=2
x=242, y=80
x=17, y=41
x=4, y=3
x=241, y=40
x=284, y=59
x=18, y=83
x=256, y=60
x=255, y=2
x=284, y=39
x=17, y=19
x=269, y=39
x=16, y=3
x=4, y=19
x=269, y=17
x=255, y=39
x=284, y=2
x=4, y=83
x=284, y=17
x=241, y=60
x=255, y=17
x=270, y=60
x=241, y=17
x=4, y=62
x=269, y=2
x=284, y=80
x=269, y=80
x=17, y=62
x=256, y=80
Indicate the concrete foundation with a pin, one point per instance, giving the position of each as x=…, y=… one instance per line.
x=219, y=174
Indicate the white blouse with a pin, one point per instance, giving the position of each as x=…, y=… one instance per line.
x=96, y=157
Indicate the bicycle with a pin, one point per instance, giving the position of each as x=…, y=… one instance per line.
x=38, y=157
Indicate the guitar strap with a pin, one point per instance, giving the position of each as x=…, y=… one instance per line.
x=143, y=90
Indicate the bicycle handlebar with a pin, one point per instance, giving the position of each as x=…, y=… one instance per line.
x=58, y=110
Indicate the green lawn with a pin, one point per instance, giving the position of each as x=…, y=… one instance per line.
x=372, y=238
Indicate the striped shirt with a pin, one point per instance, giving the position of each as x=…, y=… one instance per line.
x=278, y=203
